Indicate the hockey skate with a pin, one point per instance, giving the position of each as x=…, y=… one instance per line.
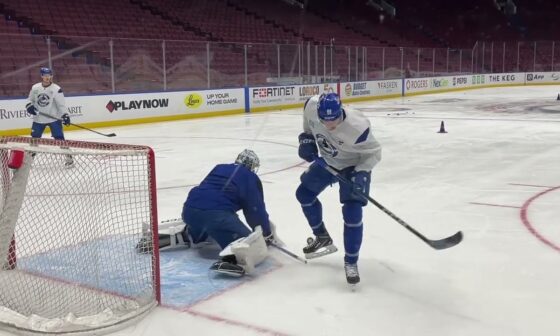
x=228, y=268
x=352, y=275
x=69, y=162
x=318, y=247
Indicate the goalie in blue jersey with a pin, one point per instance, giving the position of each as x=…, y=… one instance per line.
x=210, y=210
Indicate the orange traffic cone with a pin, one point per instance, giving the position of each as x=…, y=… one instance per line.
x=442, y=128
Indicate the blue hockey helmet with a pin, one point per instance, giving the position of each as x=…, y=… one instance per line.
x=249, y=159
x=329, y=107
x=46, y=71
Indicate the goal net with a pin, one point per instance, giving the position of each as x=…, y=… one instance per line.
x=71, y=214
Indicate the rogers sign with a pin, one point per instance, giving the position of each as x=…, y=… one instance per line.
x=417, y=84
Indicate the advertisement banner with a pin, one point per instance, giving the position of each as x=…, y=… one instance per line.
x=356, y=90
x=14, y=115
x=505, y=79
x=542, y=78
x=211, y=100
x=434, y=84
x=123, y=107
x=413, y=85
x=460, y=81
x=271, y=96
x=478, y=80
x=441, y=83
x=103, y=108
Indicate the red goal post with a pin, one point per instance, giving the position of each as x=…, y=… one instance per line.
x=68, y=236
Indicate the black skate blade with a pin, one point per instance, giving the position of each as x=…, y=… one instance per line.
x=233, y=274
x=323, y=252
x=353, y=284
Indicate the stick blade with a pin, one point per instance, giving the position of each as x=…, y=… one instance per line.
x=111, y=135
x=448, y=242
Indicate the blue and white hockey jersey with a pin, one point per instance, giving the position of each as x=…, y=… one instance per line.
x=49, y=100
x=351, y=143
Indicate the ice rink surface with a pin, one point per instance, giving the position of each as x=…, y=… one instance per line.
x=495, y=175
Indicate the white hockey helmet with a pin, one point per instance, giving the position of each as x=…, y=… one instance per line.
x=249, y=159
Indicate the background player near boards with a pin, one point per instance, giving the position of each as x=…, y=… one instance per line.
x=47, y=105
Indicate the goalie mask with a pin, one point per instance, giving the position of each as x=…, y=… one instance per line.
x=249, y=159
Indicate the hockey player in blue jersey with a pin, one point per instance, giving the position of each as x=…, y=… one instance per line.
x=210, y=211
x=343, y=140
x=47, y=99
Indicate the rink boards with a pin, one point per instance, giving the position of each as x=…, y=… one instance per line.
x=125, y=109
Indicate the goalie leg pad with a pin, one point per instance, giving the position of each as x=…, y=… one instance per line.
x=170, y=242
x=173, y=234
x=248, y=251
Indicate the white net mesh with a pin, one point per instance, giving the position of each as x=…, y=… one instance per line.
x=71, y=261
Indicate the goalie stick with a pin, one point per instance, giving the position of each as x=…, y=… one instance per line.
x=289, y=253
x=79, y=126
x=439, y=244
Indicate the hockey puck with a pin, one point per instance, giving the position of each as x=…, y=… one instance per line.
x=309, y=241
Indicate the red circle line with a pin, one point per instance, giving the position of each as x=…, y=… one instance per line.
x=525, y=219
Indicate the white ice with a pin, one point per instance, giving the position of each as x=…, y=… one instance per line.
x=495, y=176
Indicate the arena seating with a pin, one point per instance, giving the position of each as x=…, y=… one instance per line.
x=83, y=36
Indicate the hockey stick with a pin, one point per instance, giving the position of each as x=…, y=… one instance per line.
x=293, y=255
x=79, y=126
x=436, y=244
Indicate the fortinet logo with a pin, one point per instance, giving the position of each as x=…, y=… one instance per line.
x=273, y=92
x=136, y=104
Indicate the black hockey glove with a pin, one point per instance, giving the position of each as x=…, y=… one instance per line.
x=31, y=109
x=307, y=147
x=66, y=119
x=361, y=180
